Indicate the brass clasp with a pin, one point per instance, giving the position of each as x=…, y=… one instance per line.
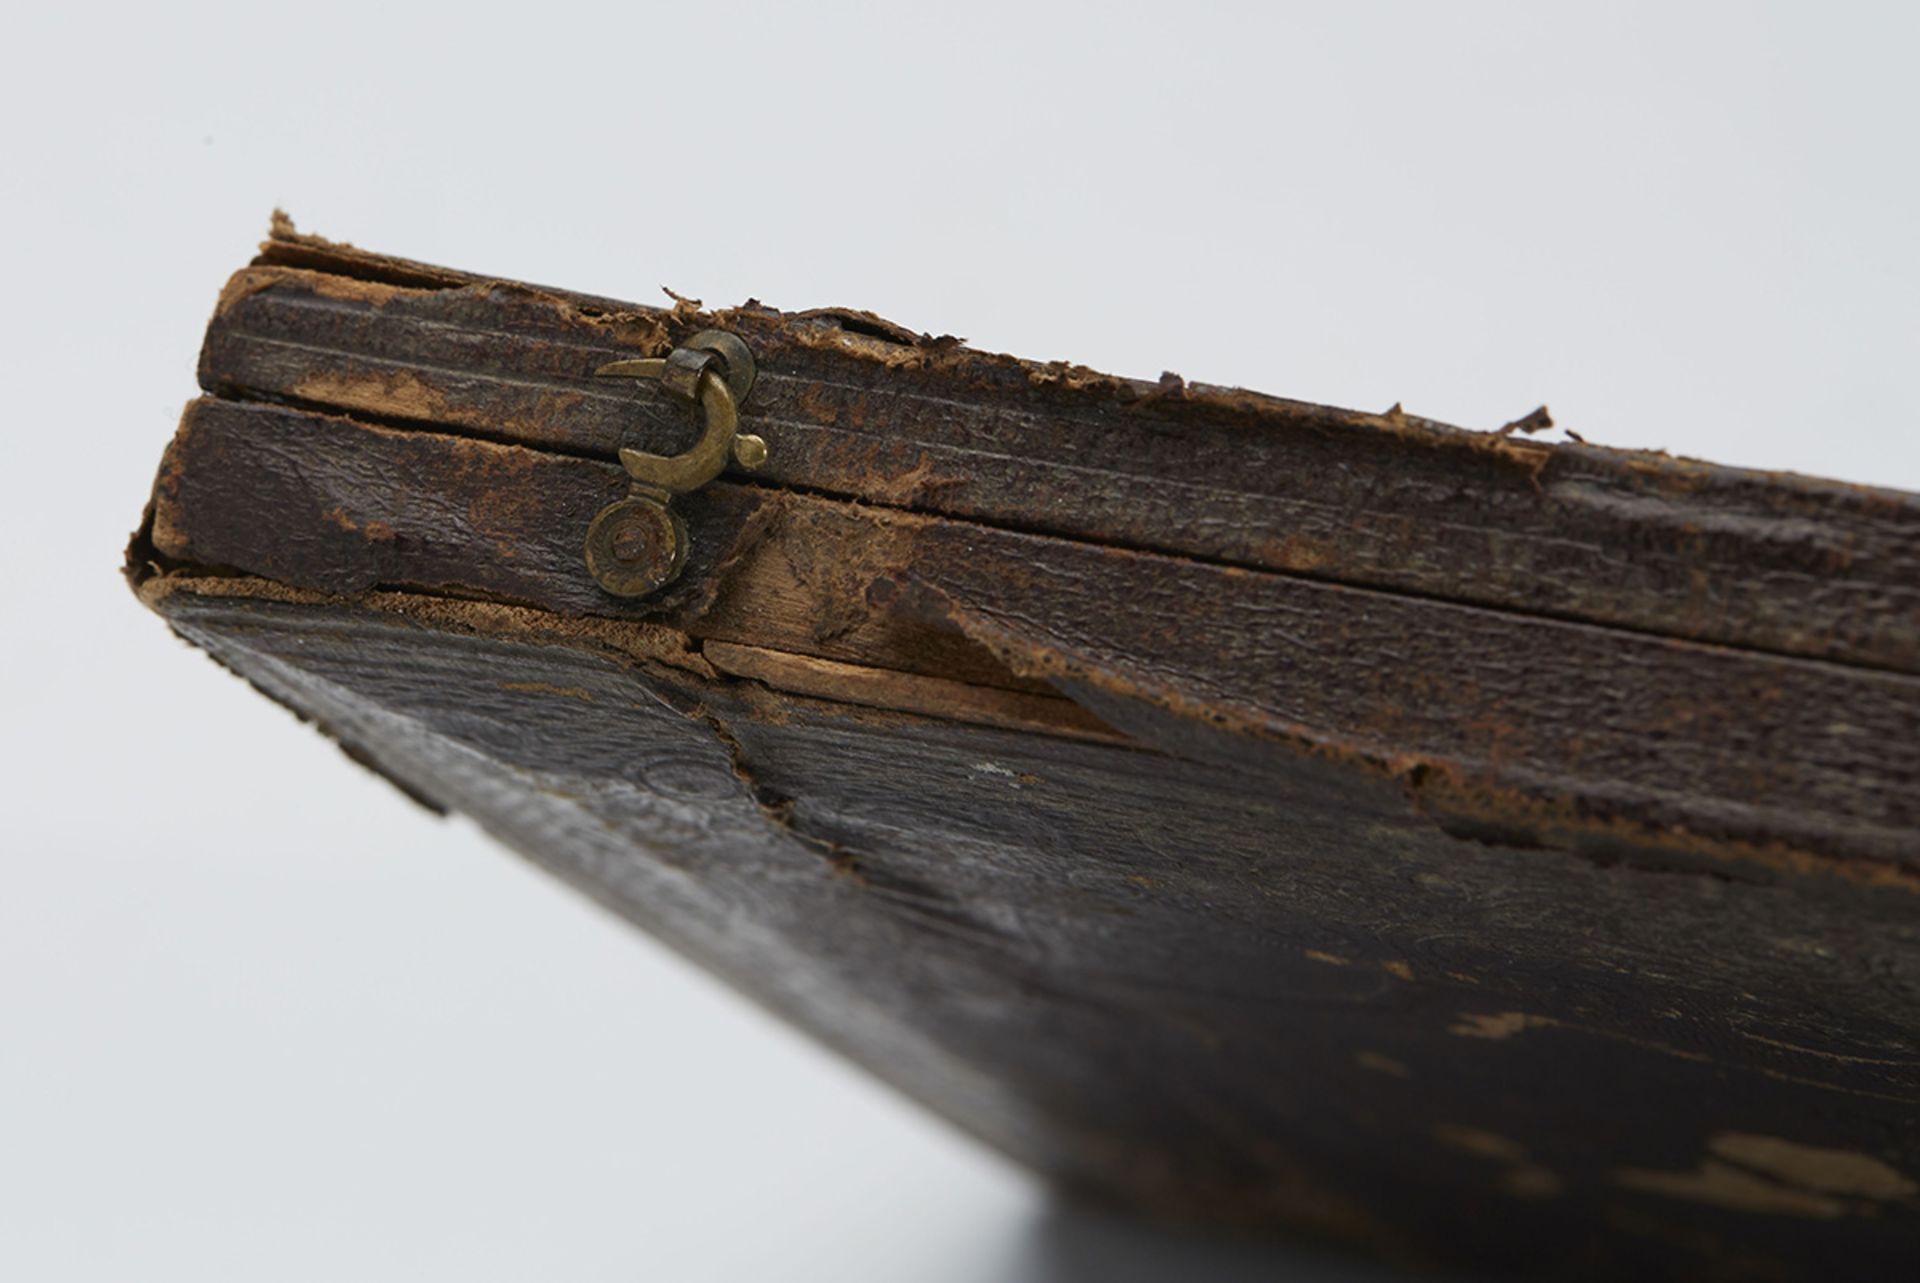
x=638, y=545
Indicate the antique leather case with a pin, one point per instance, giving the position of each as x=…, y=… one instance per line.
x=1480, y=851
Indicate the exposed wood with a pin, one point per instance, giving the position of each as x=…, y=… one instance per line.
x=325, y=503
x=907, y=692
x=1757, y=757
x=860, y=408
x=1672, y=736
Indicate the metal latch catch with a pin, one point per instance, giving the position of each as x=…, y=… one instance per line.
x=638, y=545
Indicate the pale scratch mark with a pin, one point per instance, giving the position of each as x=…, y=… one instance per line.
x=580, y=693
x=1475, y=1140
x=1724, y=1185
x=1380, y=1064
x=1831, y=1171
x=1496, y=1025
x=1749, y=1172
x=1523, y=1178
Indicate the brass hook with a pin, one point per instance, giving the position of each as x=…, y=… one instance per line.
x=638, y=545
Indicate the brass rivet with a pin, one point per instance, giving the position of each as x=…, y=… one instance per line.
x=636, y=546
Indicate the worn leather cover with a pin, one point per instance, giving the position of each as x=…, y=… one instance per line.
x=1478, y=851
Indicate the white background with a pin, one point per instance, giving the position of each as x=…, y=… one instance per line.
x=261, y=1018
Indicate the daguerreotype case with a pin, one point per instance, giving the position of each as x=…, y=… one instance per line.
x=1481, y=852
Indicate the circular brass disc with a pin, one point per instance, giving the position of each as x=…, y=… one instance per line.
x=636, y=546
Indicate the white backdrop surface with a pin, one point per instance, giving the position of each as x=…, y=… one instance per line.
x=262, y=1018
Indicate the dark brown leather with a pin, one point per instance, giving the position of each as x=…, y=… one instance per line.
x=1482, y=852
